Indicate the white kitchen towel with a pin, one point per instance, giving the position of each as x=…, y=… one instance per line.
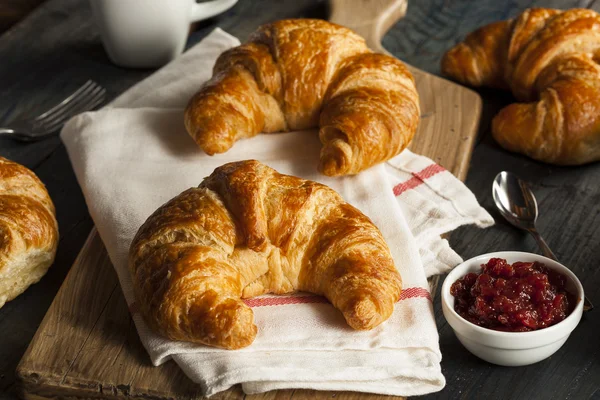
x=135, y=154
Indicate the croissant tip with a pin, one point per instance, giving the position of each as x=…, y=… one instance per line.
x=243, y=341
x=212, y=147
x=335, y=160
x=364, y=315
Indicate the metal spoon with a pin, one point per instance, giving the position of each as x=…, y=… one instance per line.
x=516, y=202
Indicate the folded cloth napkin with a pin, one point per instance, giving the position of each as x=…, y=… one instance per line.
x=134, y=155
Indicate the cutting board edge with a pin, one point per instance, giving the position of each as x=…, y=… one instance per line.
x=463, y=171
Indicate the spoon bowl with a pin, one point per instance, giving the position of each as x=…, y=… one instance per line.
x=515, y=200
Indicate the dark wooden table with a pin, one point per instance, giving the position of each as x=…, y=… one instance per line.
x=56, y=48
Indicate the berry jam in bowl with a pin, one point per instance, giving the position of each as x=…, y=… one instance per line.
x=512, y=308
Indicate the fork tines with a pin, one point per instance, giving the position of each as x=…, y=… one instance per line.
x=86, y=98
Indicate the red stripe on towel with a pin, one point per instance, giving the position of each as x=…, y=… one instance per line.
x=282, y=301
x=418, y=178
x=413, y=292
x=408, y=293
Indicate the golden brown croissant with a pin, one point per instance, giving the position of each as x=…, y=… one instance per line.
x=248, y=230
x=303, y=73
x=28, y=230
x=548, y=59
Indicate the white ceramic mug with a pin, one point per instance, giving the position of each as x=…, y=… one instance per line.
x=149, y=33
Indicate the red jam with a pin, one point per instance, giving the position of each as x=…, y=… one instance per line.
x=520, y=297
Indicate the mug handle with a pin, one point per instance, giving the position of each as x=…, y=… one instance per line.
x=209, y=9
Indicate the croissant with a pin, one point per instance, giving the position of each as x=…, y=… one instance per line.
x=548, y=59
x=303, y=73
x=28, y=230
x=248, y=230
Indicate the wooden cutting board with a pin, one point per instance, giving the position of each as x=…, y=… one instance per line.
x=87, y=345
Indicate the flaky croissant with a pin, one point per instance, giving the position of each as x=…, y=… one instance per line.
x=28, y=230
x=548, y=59
x=303, y=73
x=248, y=230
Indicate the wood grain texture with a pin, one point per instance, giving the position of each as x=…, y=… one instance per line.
x=69, y=50
x=369, y=18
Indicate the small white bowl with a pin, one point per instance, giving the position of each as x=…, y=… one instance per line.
x=511, y=348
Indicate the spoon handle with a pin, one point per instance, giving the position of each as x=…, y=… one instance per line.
x=587, y=304
x=540, y=241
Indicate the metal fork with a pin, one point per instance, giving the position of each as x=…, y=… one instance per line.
x=86, y=98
